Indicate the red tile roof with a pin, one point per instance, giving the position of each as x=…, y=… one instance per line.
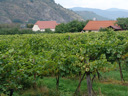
x=116, y=27
x=46, y=24
x=96, y=25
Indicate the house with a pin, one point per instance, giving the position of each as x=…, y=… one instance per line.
x=97, y=25
x=42, y=25
x=115, y=28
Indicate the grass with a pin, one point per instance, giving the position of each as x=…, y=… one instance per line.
x=111, y=89
x=101, y=88
x=115, y=75
x=109, y=85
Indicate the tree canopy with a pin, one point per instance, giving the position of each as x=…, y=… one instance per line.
x=123, y=23
x=73, y=26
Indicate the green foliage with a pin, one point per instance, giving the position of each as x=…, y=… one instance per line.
x=25, y=58
x=8, y=26
x=73, y=26
x=12, y=31
x=103, y=29
x=61, y=28
x=123, y=23
x=30, y=25
x=48, y=30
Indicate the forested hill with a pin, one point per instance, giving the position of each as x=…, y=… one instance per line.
x=112, y=13
x=29, y=11
x=88, y=15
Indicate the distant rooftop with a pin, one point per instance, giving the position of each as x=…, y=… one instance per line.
x=96, y=25
x=46, y=24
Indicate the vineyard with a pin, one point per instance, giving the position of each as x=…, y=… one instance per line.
x=86, y=57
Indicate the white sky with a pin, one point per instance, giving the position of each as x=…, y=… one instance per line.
x=100, y=4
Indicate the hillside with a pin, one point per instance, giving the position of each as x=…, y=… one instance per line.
x=29, y=11
x=112, y=13
x=88, y=15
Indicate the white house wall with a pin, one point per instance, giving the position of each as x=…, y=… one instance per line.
x=50, y=29
x=53, y=29
x=35, y=28
x=91, y=31
x=42, y=30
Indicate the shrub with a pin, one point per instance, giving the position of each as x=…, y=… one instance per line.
x=12, y=31
x=30, y=25
x=48, y=30
x=73, y=26
x=103, y=29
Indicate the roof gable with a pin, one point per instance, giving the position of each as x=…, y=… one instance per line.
x=115, y=27
x=46, y=24
x=96, y=25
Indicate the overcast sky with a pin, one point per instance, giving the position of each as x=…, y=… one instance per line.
x=100, y=4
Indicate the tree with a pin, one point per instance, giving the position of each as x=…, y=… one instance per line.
x=76, y=26
x=61, y=28
x=123, y=23
x=48, y=30
x=30, y=25
x=73, y=26
x=103, y=29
